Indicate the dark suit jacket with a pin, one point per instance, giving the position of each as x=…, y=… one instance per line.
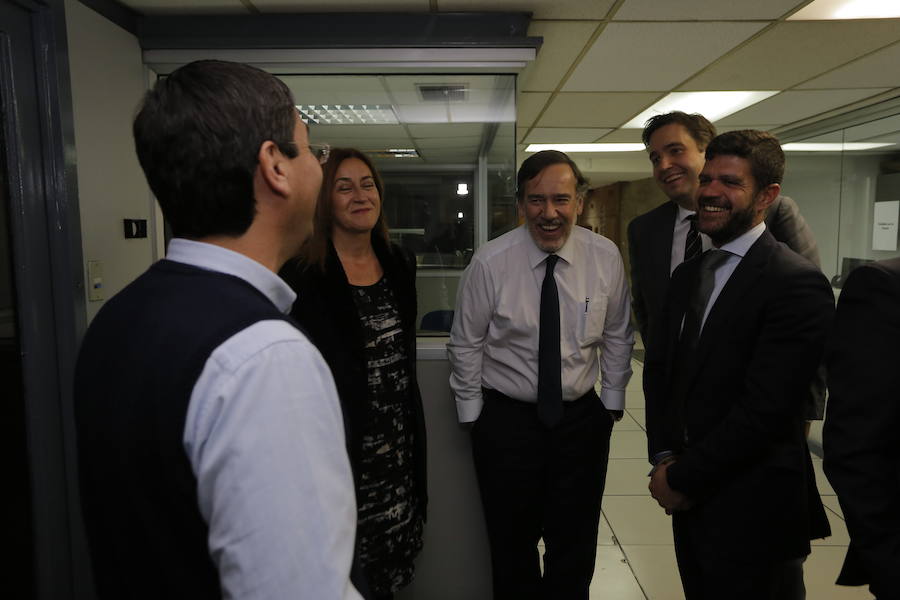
x=650, y=254
x=746, y=464
x=863, y=361
x=326, y=310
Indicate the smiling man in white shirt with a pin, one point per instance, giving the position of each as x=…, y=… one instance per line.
x=534, y=308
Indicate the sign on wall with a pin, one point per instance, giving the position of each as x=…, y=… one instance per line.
x=884, y=225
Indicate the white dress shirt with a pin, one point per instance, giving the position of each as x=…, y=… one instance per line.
x=679, y=236
x=265, y=437
x=494, y=339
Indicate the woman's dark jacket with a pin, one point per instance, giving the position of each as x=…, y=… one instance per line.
x=327, y=312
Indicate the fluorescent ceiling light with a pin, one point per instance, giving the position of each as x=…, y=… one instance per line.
x=712, y=105
x=586, y=147
x=831, y=147
x=394, y=153
x=348, y=114
x=824, y=10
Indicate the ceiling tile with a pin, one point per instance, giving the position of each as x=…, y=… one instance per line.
x=875, y=70
x=448, y=143
x=622, y=60
x=622, y=136
x=520, y=133
x=563, y=42
x=872, y=130
x=723, y=128
x=542, y=9
x=595, y=109
x=793, y=52
x=788, y=107
x=299, y=6
x=445, y=130
x=564, y=135
x=654, y=10
x=356, y=131
x=529, y=106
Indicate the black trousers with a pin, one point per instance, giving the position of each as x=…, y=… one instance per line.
x=708, y=576
x=537, y=482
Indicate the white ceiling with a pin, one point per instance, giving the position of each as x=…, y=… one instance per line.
x=604, y=61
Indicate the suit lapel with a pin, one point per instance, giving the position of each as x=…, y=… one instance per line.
x=663, y=257
x=739, y=285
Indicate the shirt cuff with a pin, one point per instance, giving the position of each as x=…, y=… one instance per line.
x=469, y=410
x=613, y=399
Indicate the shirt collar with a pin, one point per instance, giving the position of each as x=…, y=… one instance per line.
x=684, y=213
x=741, y=244
x=536, y=256
x=216, y=258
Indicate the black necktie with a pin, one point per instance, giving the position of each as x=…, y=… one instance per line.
x=706, y=281
x=549, y=387
x=692, y=245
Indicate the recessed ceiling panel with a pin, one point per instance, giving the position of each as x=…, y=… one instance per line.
x=542, y=9
x=447, y=143
x=446, y=130
x=653, y=56
x=563, y=42
x=788, y=107
x=529, y=106
x=875, y=70
x=793, y=52
x=654, y=10
x=356, y=131
x=336, y=90
x=565, y=135
x=595, y=109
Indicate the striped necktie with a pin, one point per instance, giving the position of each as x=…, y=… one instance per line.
x=692, y=245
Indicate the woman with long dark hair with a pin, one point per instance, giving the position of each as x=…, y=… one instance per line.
x=357, y=302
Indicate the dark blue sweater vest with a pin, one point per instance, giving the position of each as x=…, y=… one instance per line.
x=136, y=369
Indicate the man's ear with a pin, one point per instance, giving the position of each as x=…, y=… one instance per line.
x=767, y=196
x=273, y=168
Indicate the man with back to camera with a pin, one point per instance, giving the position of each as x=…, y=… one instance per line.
x=726, y=382
x=860, y=435
x=534, y=307
x=211, y=443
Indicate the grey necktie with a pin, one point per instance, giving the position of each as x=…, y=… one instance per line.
x=706, y=281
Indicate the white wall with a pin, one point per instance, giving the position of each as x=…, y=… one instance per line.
x=814, y=182
x=836, y=197
x=108, y=81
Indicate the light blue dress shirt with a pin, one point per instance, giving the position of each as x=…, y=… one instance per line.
x=265, y=437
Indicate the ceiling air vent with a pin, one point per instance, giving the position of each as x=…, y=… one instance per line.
x=443, y=93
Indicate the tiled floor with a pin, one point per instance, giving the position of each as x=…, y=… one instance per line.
x=636, y=558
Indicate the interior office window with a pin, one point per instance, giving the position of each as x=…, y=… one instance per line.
x=847, y=184
x=445, y=147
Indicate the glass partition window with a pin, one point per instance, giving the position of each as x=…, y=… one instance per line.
x=847, y=184
x=445, y=148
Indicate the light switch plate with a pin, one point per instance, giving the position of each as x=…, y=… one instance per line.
x=95, y=280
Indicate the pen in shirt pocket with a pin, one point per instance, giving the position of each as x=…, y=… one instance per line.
x=586, y=300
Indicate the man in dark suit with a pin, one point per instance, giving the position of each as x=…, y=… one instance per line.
x=656, y=240
x=862, y=357
x=726, y=380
